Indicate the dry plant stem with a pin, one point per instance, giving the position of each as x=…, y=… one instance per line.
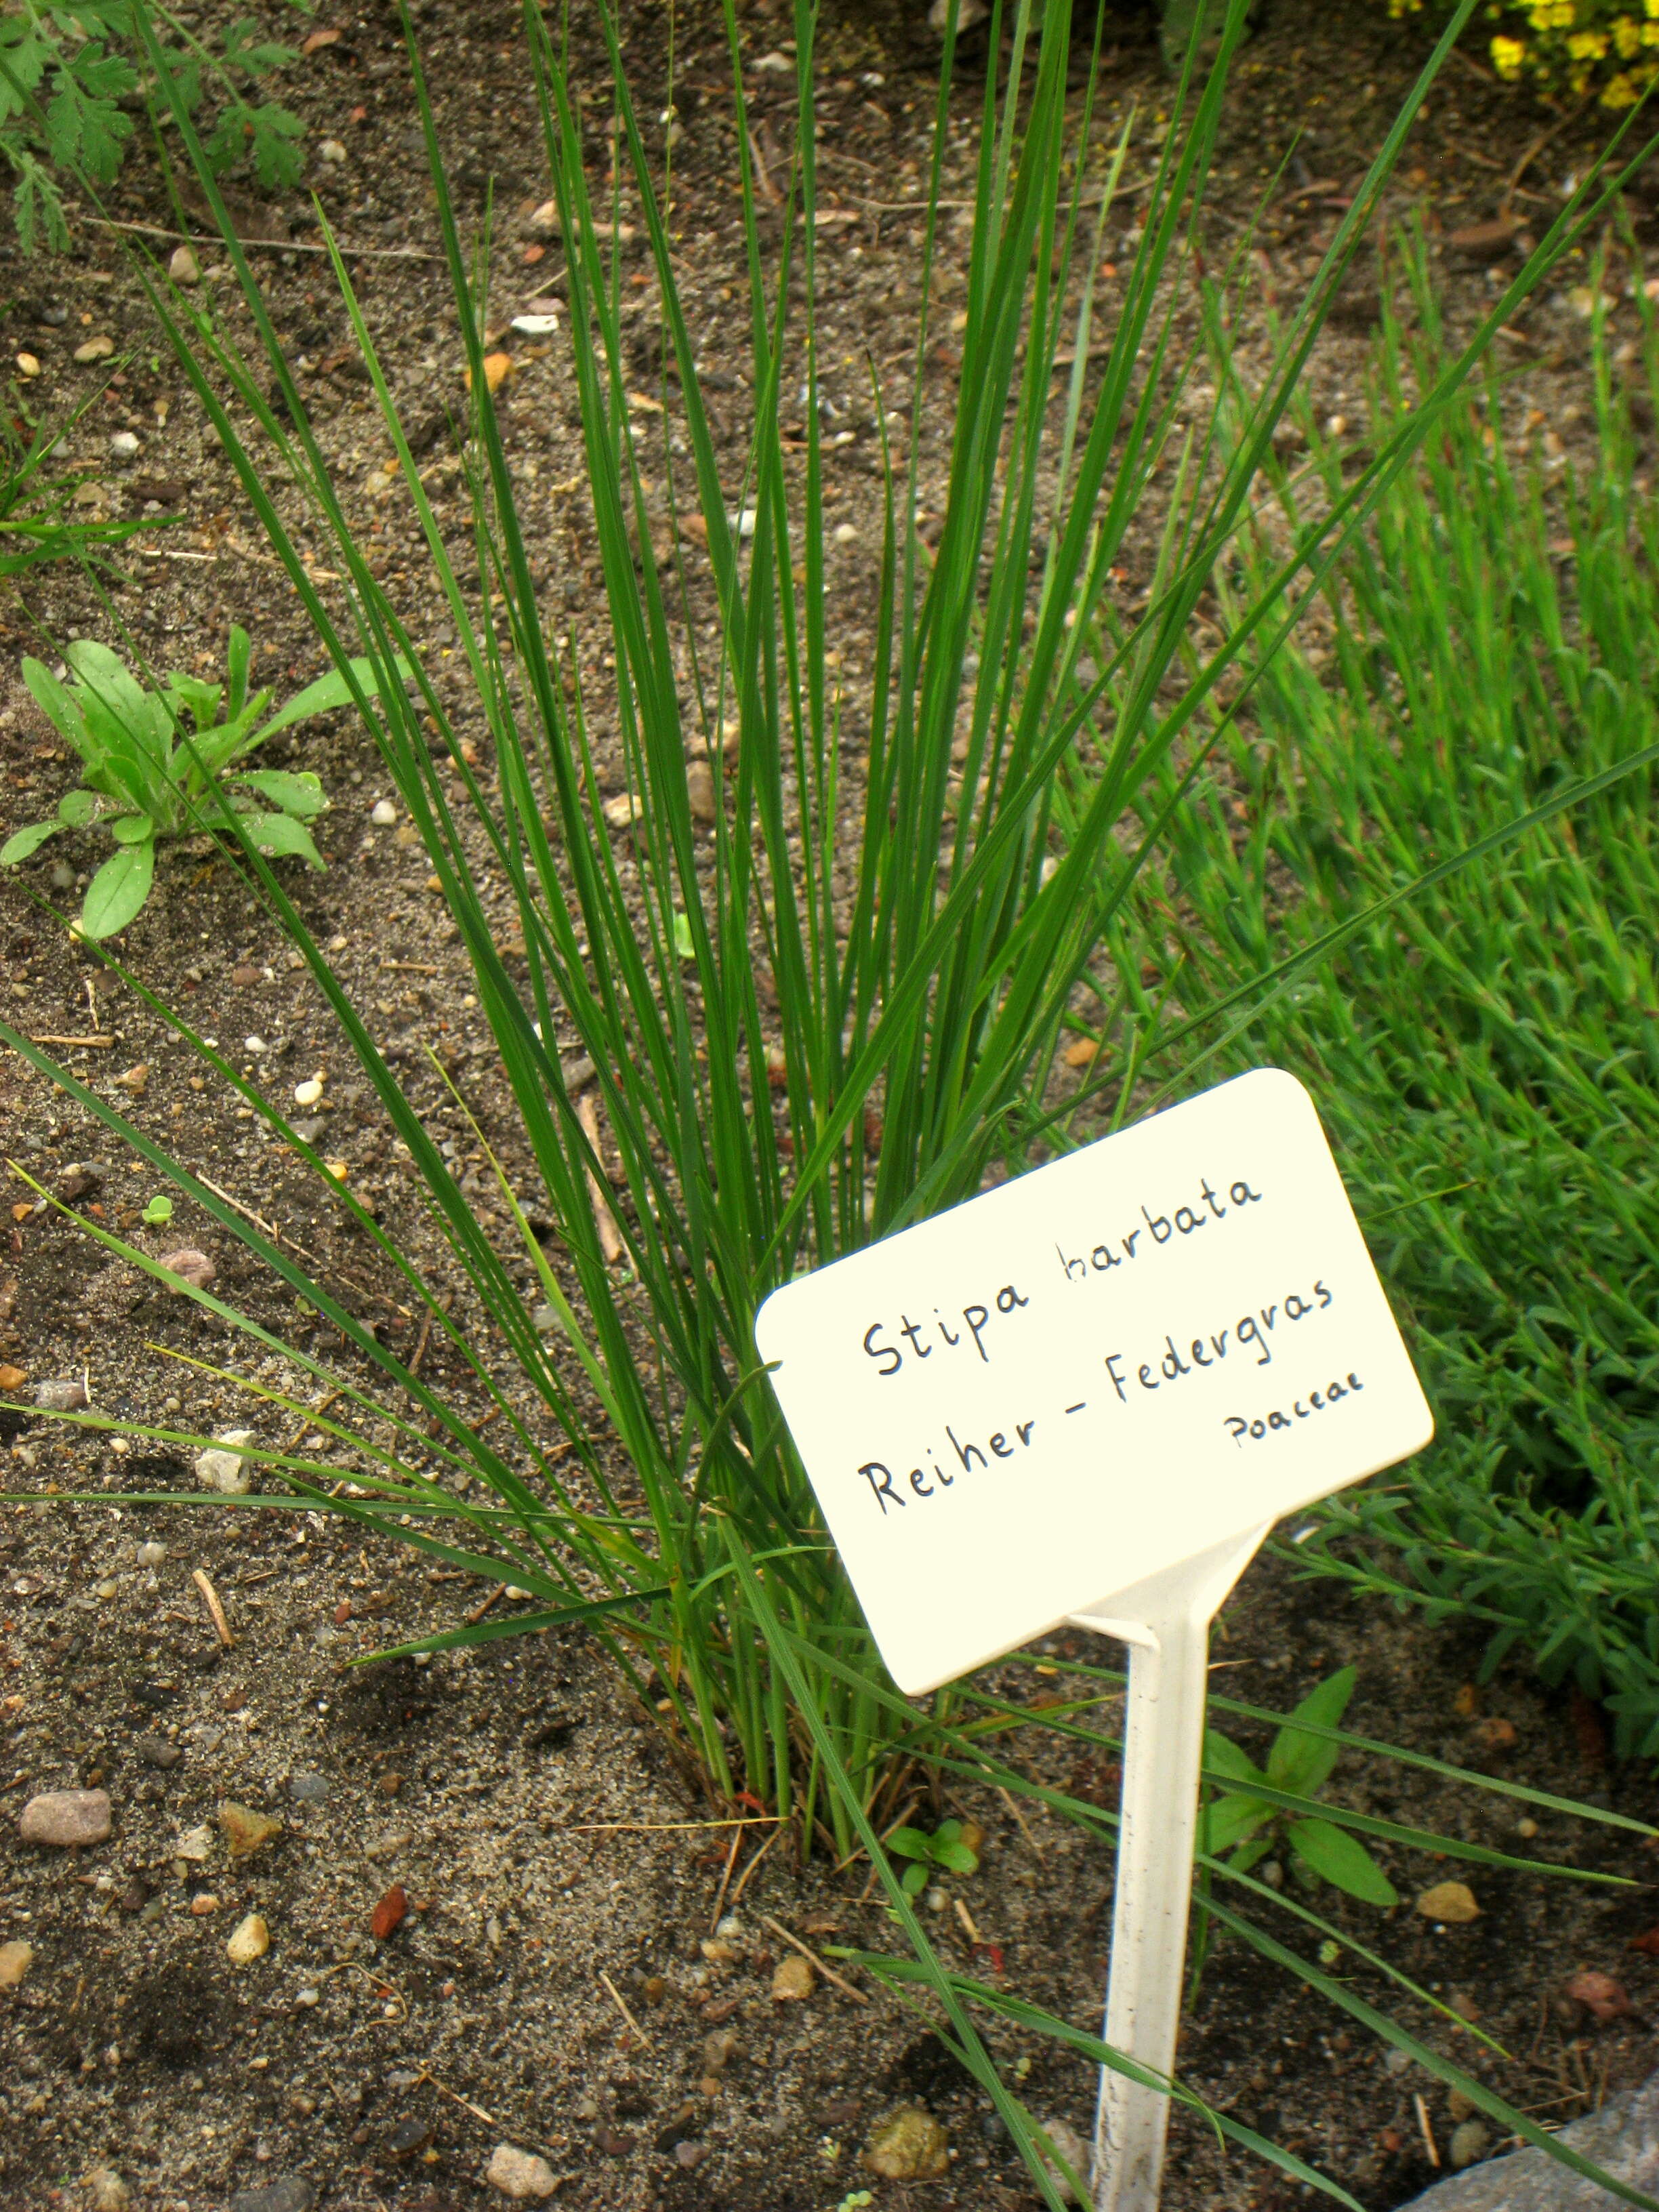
x=269, y=245
x=725, y=1878
x=610, y=1242
x=1429, y=2146
x=807, y=1952
x=615, y=1998
x=1024, y=1826
x=215, y=1611
x=654, y=1827
x=743, y=1879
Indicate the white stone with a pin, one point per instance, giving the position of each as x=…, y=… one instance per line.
x=383, y=812
x=519, y=2173
x=331, y=151
x=308, y=1092
x=123, y=446
x=184, y=268
x=221, y=1467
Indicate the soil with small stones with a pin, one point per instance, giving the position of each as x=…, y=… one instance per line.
x=549, y=1983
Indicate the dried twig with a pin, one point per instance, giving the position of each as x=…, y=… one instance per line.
x=1426, y=2130
x=730, y=1861
x=743, y=1879
x=650, y=1827
x=1012, y=1803
x=615, y=1999
x=215, y=1611
x=93, y=1043
x=610, y=1242
x=272, y=244
x=807, y=1952
x=484, y=1604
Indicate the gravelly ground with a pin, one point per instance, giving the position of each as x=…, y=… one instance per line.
x=131, y=2044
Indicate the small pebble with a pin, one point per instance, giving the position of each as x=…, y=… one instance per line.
x=792, y=1979
x=307, y=1997
x=123, y=446
x=543, y=222
x=221, y=1467
x=291, y=2193
x=1452, y=1902
x=383, y=812
x=66, y=1817
x=60, y=1397
x=409, y=2135
x=16, y=1959
x=1469, y=2144
x=246, y=1831
x=1074, y=2151
x=909, y=2145
x=519, y=2174
x=249, y=1940
x=95, y=348
x=190, y=1265
x=106, y=2192
x=700, y=791
x=152, y=1554
x=156, y=1751
x=308, y=1788
x=308, y=1092
x=27, y=365
x=203, y=1903
x=331, y=151
x=184, y=268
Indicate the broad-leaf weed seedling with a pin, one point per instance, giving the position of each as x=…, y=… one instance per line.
x=1246, y=1826
x=830, y=1009
x=166, y=762
x=950, y=1848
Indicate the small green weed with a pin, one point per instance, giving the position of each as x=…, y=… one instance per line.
x=948, y=1848
x=65, y=73
x=158, y=764
x=1248, y=1826
x=158, y=1210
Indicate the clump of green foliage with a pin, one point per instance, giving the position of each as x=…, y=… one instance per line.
x=1248, y=1825
x=1487, y=1054
x=166, y=762
x=67, y=75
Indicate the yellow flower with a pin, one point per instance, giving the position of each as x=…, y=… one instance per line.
x=1650, y=35
x=1588, y=46
x=1653, y=10
x=1618, y=92
x=1627, y=35
x=1508, y=54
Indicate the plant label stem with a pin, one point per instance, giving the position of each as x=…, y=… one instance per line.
x=1165, y=1622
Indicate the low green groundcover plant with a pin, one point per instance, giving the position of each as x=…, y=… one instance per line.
x=1487, y=1055
x=167, y=763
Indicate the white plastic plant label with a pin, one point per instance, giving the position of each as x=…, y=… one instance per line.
x=1016, y=1410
